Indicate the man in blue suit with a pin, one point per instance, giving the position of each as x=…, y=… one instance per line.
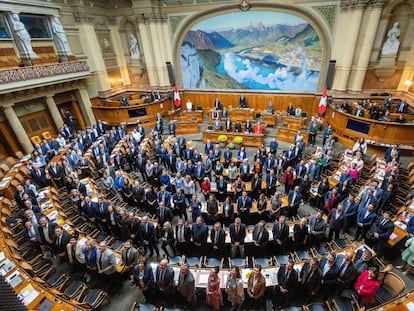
x=228, y=155
x=383, y=230
x=330, y=273
x=273, y=146
x=199, y=232
x=365, y=219
x=101, y=211
x=294, y=198
x=164, y=196
x=269, y=163
x=199, y=172
x=244, y=205
x=350, y=210
x=148, y=238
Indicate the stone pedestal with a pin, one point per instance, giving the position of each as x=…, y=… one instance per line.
x=386, y=66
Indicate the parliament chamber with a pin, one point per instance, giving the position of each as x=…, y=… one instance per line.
x=233, y=144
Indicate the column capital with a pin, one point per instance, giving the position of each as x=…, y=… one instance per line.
x=354, y=4
x=8, y=105
x=378, y=3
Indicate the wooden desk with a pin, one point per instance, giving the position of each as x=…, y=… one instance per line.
x=249, y=140
x=196, y=115
x=186, y=127
x=348, y=127
x=241, y=114
x=268, y=118
x=294, y=123
x=288, y=135
x=116, y=115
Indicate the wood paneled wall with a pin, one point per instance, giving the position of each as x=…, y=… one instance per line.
x=258, y=101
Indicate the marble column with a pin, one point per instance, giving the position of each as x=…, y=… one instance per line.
x=365, y=44
x=120, y=56
x=85, y=106
x=148, y=51
x=164, y=42
x=18, y=128
x=346, y=37
x=157, y=47
x=54, y=111
x=91, y=45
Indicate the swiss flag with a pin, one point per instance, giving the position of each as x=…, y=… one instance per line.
x=322, y=103
x=177, y=99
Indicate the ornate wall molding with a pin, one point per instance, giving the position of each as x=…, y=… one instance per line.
x=38, y=72
x=82, y=18
x=378, y=3
x=175, y=21
x=328, y=13
x=354, y=4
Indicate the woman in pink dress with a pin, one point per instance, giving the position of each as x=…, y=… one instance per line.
x=214, y=296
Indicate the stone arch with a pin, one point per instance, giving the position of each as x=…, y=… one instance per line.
x=307, y=13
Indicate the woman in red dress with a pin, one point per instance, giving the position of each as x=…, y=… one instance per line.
x=214, y=296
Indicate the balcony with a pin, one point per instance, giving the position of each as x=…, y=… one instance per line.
x=21, y=78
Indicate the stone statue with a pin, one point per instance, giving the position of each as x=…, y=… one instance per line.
x=22, y=36
x=134, y=47
x=60, y=35
x=392, y=43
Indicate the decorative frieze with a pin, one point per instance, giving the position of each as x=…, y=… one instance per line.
x=38, y=72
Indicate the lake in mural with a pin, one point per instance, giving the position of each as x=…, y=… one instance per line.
x=252, y=50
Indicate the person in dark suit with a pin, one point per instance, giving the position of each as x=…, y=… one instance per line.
x=287, y=278
x=290, y=110
x=227, y=155
x=383, y=229
x=310, y=277
x=359, y=112
x=280, y=235
x=229, y=125
x=101, y=212
x=294, y=198
x=39, y=177
x=31, y=234
x=172, y=128
x=164, y=282
x=129, y=257
x=80, y=186
x=186, y=287
x=238, y=127
x=237, y=236
x=336, y=221
x=143, y=278
x=28, y=204
x=217, y=237
x=217, y=104
x=350, y=210
x=346, y=273
x=402, y=107
x=167, y=238
x=244, y=205
x=55, y=171
x=60, y=240
x=248, y=127
x=242, y=102
x=46, y=232
x=163, y=214
x=365, y=219
x=182, y=237
x=330, y=272
x=260, y=239
x=199, y=232
x=148, y=238
x=19, y=195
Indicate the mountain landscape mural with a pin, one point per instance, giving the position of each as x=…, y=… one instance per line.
x=252, y=50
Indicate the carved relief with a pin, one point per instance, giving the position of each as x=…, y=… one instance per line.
x=328, y=13
x=175, y=21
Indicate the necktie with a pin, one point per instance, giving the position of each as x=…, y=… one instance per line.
x=216, y=238
x=383, y=222
x=73, y=254
x=59, y=241
x=237, y=230
x=146, y=228
x=162, y=274
x=100, y=261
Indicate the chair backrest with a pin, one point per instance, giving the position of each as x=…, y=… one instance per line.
x=393, y=283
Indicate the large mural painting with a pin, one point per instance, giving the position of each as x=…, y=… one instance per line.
x=252, y=50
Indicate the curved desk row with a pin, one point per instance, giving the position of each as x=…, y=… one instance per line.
x=146, y=113
x=348, y=127
x=249, y=140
